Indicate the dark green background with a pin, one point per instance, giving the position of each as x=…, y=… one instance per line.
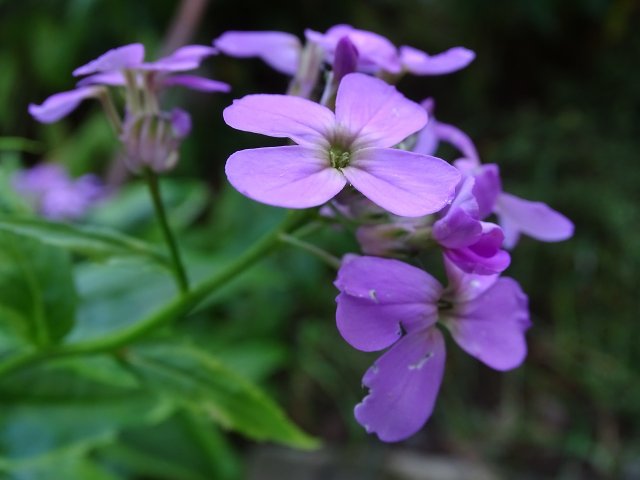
x=553, y=97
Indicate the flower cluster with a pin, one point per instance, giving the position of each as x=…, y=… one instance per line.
x=365, y=152
x=361, y=152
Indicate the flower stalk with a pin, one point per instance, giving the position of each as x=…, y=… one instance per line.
x=178, y=266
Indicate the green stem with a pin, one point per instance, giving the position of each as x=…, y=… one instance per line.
x=110, y=111
x=178, y=267
x=325, y=256
x=178, y=307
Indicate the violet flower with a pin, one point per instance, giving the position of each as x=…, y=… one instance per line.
x=352, y=145
x=515, y=215
x=387, y=303
x=378, y=54
x=54, y=194
x=110, y=69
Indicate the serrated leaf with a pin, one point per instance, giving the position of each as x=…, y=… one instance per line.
x=38, y=298
x=92, y=241
x=198, y=380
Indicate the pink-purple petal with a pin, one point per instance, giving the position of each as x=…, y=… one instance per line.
x=484, y=256
x=463, y=286
x=195, y=82
x=282, y=116
x=61, y=104
x=380, y=297
x=374, y=113
x=279, y=50
x=420, y=63
x=403, y=386
x=458, y=139
x=535, y=219
x=291, y=176
x=127, y=56
x=492, y=326
x=184, y=58
x=487, y=188
x=403, y=183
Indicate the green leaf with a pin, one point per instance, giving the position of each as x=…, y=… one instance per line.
x=61, y=406
x=198, y=380
x=38, y=295
x=67, y=465
x=92, y=241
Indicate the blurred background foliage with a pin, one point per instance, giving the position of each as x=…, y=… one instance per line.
x=553, y=98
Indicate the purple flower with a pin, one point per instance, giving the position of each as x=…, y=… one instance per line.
x=515, y=215
x=376, y=53
x=387, y=303
x=279, y=50
x=55, y=195
x=108, y=70
x=352, y=145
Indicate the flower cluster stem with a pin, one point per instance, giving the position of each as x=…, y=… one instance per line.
x=326, y=257
x=178, y=267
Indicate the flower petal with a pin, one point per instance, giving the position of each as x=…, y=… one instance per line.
x=456, y=137
x=404, y=183
x=61, y=104
x=115, y=59
x=460, y=225
x=535, y=219
x=420, y=63
x=195, y=83
x=464, y=286
x=292, y=176
x=184, y=58
x=487, y=188
x=484, y=256
x=283, y=116
x=403, y=386
x=374, y=113
x=378, y=295
x=279, y=50
x=491, y=327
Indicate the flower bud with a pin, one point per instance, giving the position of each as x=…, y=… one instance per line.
x=345, y=60
x=152, y=140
